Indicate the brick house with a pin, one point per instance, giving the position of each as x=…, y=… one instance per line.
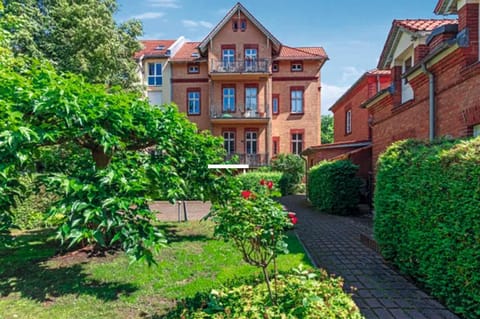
x=435, y=78
x=352, y=138
x=243, y=84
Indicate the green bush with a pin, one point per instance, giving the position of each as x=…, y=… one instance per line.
x=427, y=204
x=30, y=210
x=300, y=295
x=251, y=180
x=333, y=186
x=292, y=168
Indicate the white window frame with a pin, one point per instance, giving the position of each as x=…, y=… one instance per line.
x=156, y=76
x=348, y=122
x=297, y=143
x=251, y=142
x=297, y=67
x=296, y=101
x=228, y=95
x=229, y=142
x=194, y=98
x=193, y=68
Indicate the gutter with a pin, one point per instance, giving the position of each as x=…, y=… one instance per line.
x=431, y=109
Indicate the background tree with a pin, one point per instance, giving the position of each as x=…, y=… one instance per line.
x=78, y=36
x=327, y=129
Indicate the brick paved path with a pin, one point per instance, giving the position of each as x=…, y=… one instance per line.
x=334, y=244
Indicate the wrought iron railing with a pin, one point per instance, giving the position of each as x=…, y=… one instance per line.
x=254, y=160
x=240, y=66
x=239, y=112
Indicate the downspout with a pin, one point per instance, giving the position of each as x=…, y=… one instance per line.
x=431, y=114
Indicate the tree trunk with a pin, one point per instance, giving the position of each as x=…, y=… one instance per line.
x=102, y=160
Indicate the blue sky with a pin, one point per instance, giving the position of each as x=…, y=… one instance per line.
x=352, y=32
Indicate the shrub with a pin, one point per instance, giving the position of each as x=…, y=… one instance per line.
x=30, y=210
x=292, y=168
x=301, y=294
x=333, y=186
x=251, y=180
x=427, y=203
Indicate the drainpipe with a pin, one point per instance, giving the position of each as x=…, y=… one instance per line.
x=431, y=114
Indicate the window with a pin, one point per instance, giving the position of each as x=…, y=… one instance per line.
x=229, y=142
x=228, y=93
x=275, y=67
x=251, y=93
x=193, y=68
x=243, y=25
x=297, y=141
x=348, y=122
x=251, y=142
x=228, y=55
x=476, y=130
x=193, y=101
x=297, y=66
x=296, y=100
x=235, y=25
x=276, y=103
x=275, y=145
x=407, y=92
x=154, y=74
x=251, y=54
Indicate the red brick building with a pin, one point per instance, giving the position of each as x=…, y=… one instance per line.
x=435, y=89
x=243, y=84
x=351, y=124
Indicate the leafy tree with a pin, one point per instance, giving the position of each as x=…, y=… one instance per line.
x=293, y=169
x=327, y=129
x=78, y=36
x=92, y=146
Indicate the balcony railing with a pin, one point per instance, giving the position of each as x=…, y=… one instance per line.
x=239, y=112
x=240, y=66
x=254, y=160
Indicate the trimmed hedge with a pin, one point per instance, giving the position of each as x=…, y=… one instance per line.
x=302, y=295
x=427, y=222
x=251, y=180
x=333, y=187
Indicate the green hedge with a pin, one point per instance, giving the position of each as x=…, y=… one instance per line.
x=427, y=222
x=251, y=180
x=333, y=187
x=300, y=295
x=293, y=168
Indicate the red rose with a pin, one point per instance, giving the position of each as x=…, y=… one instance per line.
x=262, y=182
x=246, y=194
x=291, y=214
x=270, y=184
x=294, y=220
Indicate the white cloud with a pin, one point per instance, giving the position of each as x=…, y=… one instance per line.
x=196, y=24
x=351, y=73
x=148, y=15
x=330, y=94
x=164, y=4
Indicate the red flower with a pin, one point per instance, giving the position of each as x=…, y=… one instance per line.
x=270, y=184
x=294, y=220
x=246, y=194
x=263, y=182
x=291, y=214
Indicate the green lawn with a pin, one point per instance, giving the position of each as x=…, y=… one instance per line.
x=36, y=284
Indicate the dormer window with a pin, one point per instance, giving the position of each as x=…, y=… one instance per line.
x=160, y=47
x=297, y=66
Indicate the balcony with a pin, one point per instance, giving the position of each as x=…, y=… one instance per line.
x=247, y=69
x=253, y=160
x=241, y=115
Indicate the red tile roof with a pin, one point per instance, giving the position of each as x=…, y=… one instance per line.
x=186, y=51
x=416, y=25
x=150, y=48
x=302, y=53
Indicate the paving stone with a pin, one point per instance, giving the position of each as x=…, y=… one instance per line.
x=334, y=244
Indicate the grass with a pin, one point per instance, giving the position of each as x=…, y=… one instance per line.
x=34, y=283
